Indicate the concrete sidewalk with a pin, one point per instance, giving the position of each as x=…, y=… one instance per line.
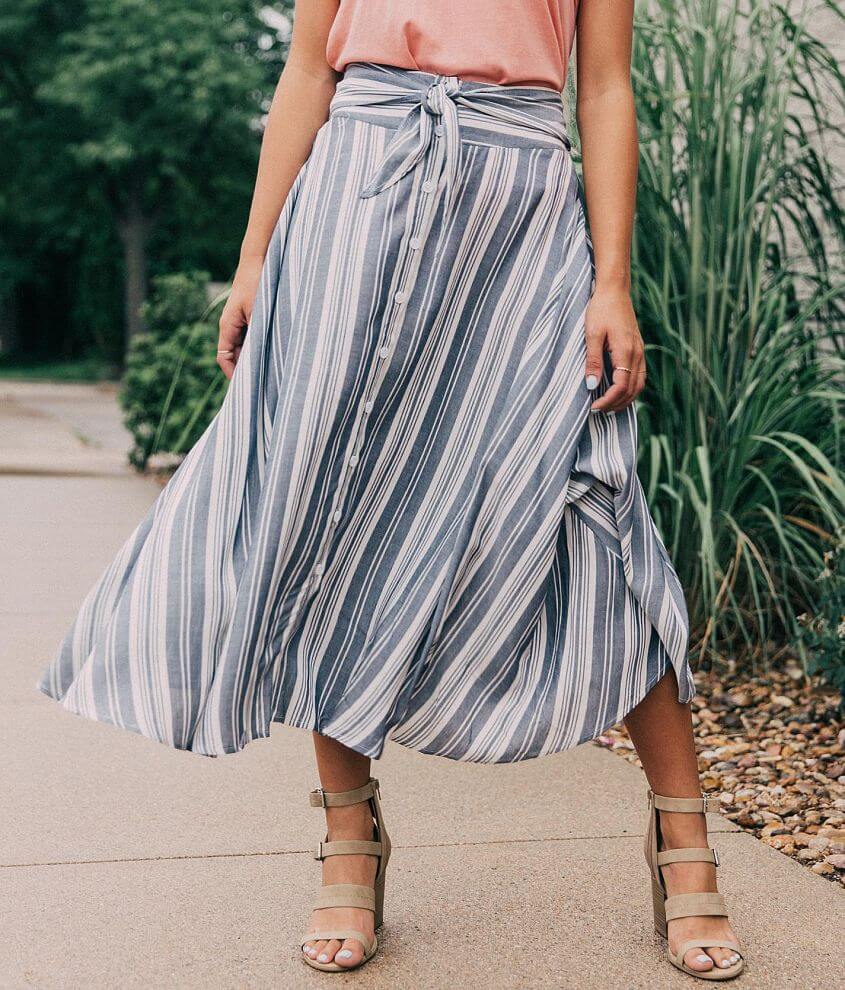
x=124, y=864
x=60, y=429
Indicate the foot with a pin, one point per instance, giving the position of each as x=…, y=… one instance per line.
x=350, y=822
x=684, y=830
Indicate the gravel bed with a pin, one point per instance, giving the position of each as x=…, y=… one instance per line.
x=773, y=750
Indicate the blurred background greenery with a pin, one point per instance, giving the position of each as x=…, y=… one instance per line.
x=130, y=137
x=131, y=133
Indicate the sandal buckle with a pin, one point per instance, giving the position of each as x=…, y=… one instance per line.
x=716, y=857
x=318, y=851
x=322, y=794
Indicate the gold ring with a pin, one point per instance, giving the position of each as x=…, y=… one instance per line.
x=225, y=352
x=620, y=368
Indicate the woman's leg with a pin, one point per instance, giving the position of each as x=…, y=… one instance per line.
x=661, y=730
x=342, y=769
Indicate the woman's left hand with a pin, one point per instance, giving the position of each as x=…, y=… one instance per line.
x=610, y=324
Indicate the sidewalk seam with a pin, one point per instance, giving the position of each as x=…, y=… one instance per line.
x=299, y=852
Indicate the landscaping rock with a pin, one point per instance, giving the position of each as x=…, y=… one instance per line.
x=779, y=773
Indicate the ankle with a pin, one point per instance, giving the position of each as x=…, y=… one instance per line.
x=682, y=829
x=350, y=822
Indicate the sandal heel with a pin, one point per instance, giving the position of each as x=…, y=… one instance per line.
x=658, y=902
x=379, y=912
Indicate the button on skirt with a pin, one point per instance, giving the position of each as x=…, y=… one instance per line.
x=404, y=522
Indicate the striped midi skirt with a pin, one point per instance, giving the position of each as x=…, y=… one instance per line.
x=404, y=522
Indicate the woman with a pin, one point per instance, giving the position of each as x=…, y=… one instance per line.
x=417, y=512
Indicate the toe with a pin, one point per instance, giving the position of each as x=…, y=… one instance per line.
x=317, y=947
x=698, y=960
x=722, y=958
x=351, y=953
x=327, y=953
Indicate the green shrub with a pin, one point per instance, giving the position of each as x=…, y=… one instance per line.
x=738, y=286
x=172, y=386
x=823, y=633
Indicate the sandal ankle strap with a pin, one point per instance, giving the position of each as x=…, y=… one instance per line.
x=318, y=798
x=347, y=847
x=688, y=855
x=700, y=805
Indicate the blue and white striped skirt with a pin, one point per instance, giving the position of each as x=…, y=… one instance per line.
x=404, y=522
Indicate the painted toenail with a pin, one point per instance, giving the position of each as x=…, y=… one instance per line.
x=322, y=957
x=725, y=963
x=702, y=959
x=343, y=954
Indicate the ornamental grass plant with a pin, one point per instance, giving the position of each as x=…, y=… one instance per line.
x=738, y=286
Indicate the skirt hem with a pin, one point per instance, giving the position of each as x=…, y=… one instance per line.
x=685, y=693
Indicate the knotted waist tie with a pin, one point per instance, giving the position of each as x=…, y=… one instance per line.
x=432, y=109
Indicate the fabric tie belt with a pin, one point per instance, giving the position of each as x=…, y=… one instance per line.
x=431, y=109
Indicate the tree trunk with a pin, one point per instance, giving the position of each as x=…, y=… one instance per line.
x=135, y=227
x=9, y=325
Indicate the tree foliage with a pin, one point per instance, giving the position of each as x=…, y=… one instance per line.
x=122, y=116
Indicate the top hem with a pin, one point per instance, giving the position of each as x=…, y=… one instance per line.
x=546, y=87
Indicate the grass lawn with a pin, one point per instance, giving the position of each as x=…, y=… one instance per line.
x=72, y=370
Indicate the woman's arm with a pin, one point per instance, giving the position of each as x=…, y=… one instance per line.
x=300, y=107
x=607, y=125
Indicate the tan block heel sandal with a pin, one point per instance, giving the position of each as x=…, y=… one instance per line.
x=351, y=894
x=668, y=908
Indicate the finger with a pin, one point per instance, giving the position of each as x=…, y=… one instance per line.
x=229, y=342
x=638, y=375
x=625, y=369
x=226, y=362
x=640, y=378
x=613, y=395
x=232, y=325
x=621, y=400
x=630, y=385
x=595, y=353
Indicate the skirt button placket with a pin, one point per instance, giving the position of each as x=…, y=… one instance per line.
x=408, y=266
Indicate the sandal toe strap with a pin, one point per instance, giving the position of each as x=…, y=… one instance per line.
x=706, y=943
x=341, y=934
x=695, y=905
x=352, y=895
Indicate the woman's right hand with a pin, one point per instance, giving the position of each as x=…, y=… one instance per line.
x=236, y=313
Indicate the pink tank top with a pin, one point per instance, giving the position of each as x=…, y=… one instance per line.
x=509, y=42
